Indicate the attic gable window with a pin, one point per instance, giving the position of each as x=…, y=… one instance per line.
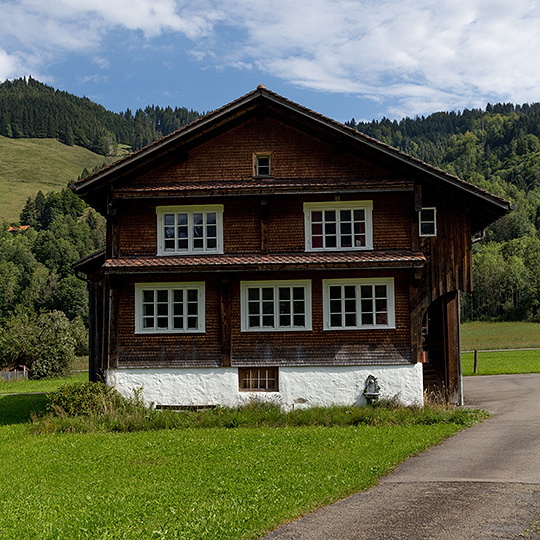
x=262, y=165
x=427, y=218
x=188, y=230
x=338, y=225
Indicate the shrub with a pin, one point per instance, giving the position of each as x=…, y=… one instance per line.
x=83, y=398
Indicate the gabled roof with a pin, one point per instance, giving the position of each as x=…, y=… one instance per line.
x=261, y=101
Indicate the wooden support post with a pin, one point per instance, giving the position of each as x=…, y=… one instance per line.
x=225, y=322
x=475, y=362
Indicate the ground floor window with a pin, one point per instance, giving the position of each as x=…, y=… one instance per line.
x=258, y=379
x=276, y=305
x=358, y=303
x=169, y=307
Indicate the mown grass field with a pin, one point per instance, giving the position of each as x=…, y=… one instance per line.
x=196, y=484
x=499, y=335
x=488, y=337
x=30, y=165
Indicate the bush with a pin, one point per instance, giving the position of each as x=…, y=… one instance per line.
x=84, y=398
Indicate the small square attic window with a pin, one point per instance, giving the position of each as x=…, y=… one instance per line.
x=263, y=165
x=428, y=222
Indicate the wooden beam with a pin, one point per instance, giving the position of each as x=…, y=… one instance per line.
x=225, y=297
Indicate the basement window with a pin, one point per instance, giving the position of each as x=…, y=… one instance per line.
x=427, y=218
x=258, y=379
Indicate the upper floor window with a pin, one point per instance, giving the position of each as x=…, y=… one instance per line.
x=338, y=226
x=262, y=165
x=427, y=218
x=358, y=303
x=169, y=307
x=190, y=229
x=278, y=305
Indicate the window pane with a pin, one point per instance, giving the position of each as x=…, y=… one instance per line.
x=428, y=229
x=380, y=291
x=335, y=292
x=163, y=295
x=211, y=231
x=367, y=319
x=192, y=309
x=350, y=291
x=366, y=291
x=330, y=228
x=267, y=293
x=253, y=294
x=169, y=232
x=331, y=242
x=299, y=320
x=148, y=322
x=268, y=308
x=381, y=318
x=298, y=293
x=335, y=320
x=192, y=323
x=178, y=295
x=253, y=308
x=284, y=293
x=211, y=243
x=162, y=322
x=350, y=319
x=162, y=309
x=197, y=219
x=268, y=320
x=192, y=295
x=316, y=217
x=182, y=219
x=350, y=306
x=335, y=306
x=345, y=215
x=284, y=307
x=284, y=320
x=254, y=322
x=380, y=305
x=148, y=296
x=211, y=218
x=169, y=244
x=148, y=310
x=329, y=215
x=298, y=306
x=178, y=323
x=168, y=219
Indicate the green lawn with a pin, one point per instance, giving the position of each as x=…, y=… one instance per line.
x=499, y=362
x=207, y=483
x=499, y=335
x=487, y=337
x=46, y=385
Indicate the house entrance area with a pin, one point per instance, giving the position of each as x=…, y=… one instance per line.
x=441, y=349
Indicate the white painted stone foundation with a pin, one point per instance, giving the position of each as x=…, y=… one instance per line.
x=298, y=386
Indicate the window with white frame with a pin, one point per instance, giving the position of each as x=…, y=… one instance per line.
x=262, y=164
x=427, y=218
x=185, y=230
x=359, y=303
x=169, y=307
x=338, y=225
x=275, y=305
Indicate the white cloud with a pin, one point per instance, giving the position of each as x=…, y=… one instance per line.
x=411, y=56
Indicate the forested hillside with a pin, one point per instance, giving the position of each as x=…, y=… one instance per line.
x=497, y=149
x=30, y=109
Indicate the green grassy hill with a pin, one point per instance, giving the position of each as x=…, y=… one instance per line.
x=30, y=165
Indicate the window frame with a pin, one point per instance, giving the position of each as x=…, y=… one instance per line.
x=171, y=286
x=256, y=165
x=249, y=370
x=275, y=285
x=358, y=283
x=427, y=222
x=338, y=206
x=161, y=211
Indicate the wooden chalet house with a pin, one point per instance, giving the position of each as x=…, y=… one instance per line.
x=267, y=251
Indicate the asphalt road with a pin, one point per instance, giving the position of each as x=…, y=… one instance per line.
x=481, y=484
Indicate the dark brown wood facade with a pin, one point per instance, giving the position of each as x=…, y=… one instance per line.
x=313, y=160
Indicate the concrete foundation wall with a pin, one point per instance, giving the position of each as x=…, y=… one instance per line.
x=298, y=386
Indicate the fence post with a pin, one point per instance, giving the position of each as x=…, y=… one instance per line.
x=475, y=361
